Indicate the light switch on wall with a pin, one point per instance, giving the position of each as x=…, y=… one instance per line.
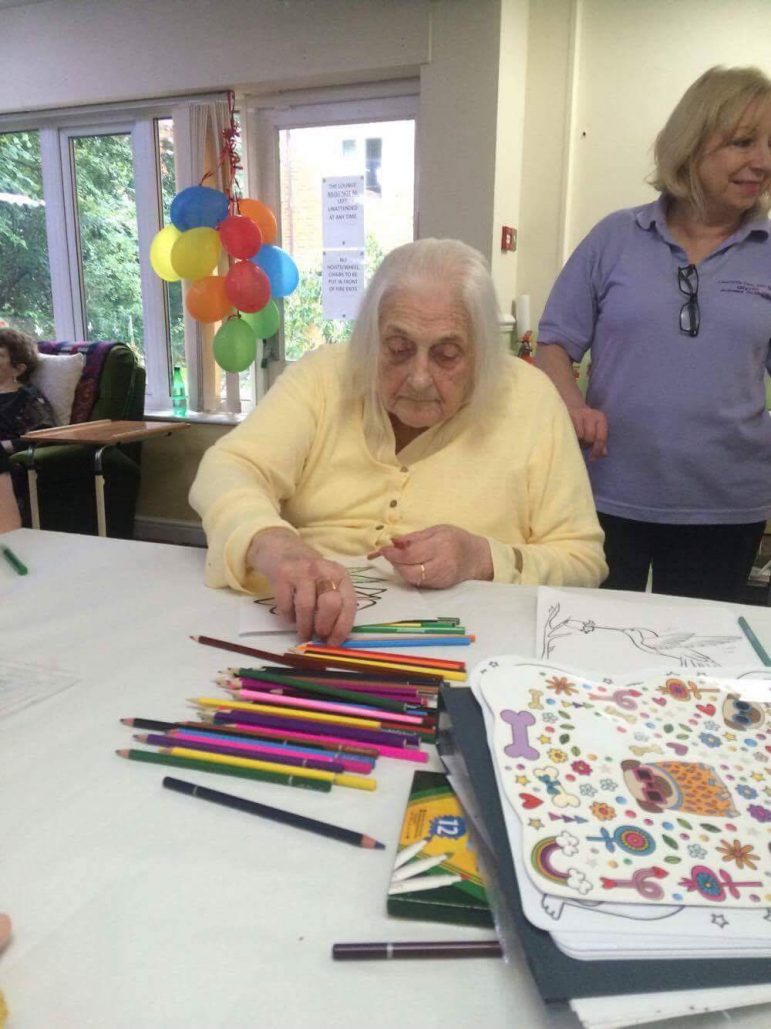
x=508, y=238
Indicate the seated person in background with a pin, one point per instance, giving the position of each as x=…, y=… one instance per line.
x=22, y=407
x=421, y=440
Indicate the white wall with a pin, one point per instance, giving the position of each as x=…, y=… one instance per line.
x=623, y=67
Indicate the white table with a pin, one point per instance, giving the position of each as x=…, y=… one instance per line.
x=137, y=908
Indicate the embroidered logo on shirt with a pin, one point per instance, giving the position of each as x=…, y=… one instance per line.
x=756, y=289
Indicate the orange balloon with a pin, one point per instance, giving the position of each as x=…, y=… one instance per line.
x=262, y=215
x=207, y=300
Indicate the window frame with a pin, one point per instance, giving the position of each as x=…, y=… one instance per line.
x=266, y=116
x=56, y=130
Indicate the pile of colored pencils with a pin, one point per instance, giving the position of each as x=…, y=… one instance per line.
x=313, y=718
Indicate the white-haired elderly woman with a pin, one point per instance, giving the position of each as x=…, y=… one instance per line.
x=421, y=441
x=674, y=300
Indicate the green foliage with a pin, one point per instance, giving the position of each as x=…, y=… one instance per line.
x=305, y=328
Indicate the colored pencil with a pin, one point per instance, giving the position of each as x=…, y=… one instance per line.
x=325, y=690
x=401, y=753
x=390, y=739
x=241, y=750
x=18, y=566
x=408, y=630
x=754, y=642
x=155, y=757
x=356, y=782
x=246, y=694
x=410, y=641
x=370, y=664
x=343, y=748
x=296, y=661
x=275, y=814
x=409, y=699
x=417, y=949
x=340, y=675
x=363, y=765
x=411, y=868
x=432, y=663
x=421, y=883
x=408, y=852
x=276, y=709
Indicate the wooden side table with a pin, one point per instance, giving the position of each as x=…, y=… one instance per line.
x=101, y=434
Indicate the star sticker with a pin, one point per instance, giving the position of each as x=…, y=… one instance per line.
x=757, y=776
x=720, y=920
x=544, y=738
x=522, y=780
x=535, y=823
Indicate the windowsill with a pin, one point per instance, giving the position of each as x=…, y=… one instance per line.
x=197, y=417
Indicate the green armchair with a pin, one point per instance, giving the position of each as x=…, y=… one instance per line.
x=112, y=385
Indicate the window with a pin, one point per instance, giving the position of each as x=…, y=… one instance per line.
x=25, y=281
x=82, y=194
x=374, y=138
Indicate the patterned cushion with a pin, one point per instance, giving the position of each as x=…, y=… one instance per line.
x=87, y=389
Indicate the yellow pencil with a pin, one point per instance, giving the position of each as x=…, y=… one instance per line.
x=390, y=665
x=356, y=782
x=272, y=709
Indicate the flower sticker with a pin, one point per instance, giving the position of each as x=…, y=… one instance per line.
x=696, y=851
x=608, y=784
x=581, y=767
x=561, y=685
x=760, y=813
x=603, y=812
x=746, y=791
x=559, y=757
x=744, y=856
x=587, y=790
x=709, y=739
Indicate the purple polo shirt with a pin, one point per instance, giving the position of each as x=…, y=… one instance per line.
x=689, y=435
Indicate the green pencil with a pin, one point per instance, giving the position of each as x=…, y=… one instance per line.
x=154, y=758
x=13, y=561
x=754, y=642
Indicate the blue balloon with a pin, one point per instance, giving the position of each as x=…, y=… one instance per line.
x=280, y=269
x=198, y=207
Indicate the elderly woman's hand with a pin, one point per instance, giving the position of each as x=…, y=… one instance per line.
x=438, y=557
x=317, y=593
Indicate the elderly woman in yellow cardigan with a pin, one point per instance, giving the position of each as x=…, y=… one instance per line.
x=421, y=440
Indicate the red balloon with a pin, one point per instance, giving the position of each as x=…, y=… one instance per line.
x=240, y=236
x=247, y=287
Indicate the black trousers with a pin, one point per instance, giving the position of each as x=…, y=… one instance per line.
x=710, y=562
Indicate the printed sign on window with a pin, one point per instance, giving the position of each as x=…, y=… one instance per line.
x=343, y=210
x=342, y=283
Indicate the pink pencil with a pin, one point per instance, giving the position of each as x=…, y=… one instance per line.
x=407, y=695
x=281, y=700
x=401, y=753
x=349, y=764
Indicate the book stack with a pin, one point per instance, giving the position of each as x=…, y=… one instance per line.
x=629, y=821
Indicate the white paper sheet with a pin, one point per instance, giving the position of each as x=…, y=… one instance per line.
x=573, y=629
x=24, y=684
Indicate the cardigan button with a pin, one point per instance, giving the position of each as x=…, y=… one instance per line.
x=393, y=503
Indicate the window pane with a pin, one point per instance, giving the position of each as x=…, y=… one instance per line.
x=173, y=290
x=381, y=151
x=25, y=280
x=109, y=251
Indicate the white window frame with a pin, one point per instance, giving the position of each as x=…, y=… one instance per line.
x=265, y=116
x=56, y=130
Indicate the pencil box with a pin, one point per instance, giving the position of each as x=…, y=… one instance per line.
x=434, y=815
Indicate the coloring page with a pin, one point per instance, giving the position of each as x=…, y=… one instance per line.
x=578, y=630
x=652, y=789
x=381, y=596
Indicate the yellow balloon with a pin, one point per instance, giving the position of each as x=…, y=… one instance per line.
x=160, y=253
x=196, y=252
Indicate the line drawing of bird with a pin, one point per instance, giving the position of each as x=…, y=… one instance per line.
x=689, y=649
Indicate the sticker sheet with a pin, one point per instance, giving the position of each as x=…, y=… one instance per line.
x=651, y=789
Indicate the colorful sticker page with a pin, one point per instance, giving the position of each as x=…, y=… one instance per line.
x=581, y=630
x=380, y=597
x=652, y=790
x=590, y=929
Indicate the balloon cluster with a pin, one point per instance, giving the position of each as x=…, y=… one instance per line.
x=204, y=222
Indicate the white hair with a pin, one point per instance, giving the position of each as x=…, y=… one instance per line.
x=446, y=261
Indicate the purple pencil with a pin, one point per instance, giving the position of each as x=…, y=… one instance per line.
x=405, y=696
x=154, y=740
x=390, y=739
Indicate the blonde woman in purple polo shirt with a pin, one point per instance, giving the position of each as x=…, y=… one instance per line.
x=674, y=300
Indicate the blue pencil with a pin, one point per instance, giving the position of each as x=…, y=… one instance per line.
x=216, y=737
x=409, y=641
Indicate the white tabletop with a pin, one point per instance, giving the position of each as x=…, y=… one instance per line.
x=135, y=907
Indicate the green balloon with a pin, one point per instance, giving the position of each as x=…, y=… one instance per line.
x=265, y=322
x=235, y=345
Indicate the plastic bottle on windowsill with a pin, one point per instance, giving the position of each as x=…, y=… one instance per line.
x=178, y=395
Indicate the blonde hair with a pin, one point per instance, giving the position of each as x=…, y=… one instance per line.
x=714, y=104
x=433, y=261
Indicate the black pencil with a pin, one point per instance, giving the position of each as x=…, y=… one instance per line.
x=275, y=814
x=417, y=949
